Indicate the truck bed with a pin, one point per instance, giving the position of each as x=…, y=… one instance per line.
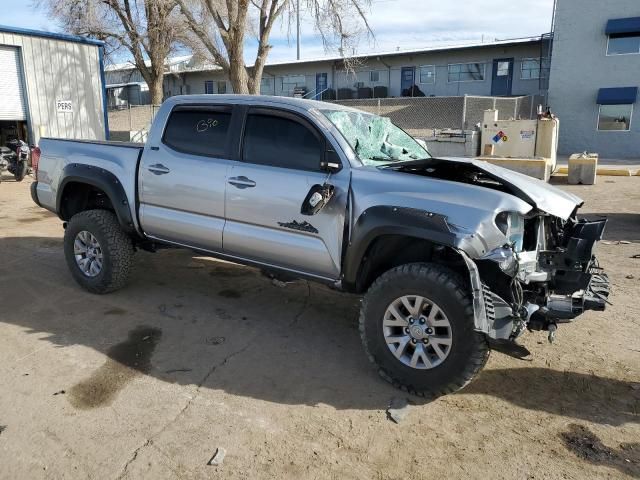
x=119, y=158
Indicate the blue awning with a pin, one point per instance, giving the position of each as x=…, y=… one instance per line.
x=623, y=25
x=617, y=96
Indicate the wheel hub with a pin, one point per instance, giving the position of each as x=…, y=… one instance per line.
x=87, y=253
x=417, y=332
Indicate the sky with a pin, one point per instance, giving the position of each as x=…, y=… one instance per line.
x=397, y=24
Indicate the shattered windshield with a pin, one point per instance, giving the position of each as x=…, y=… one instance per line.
x=375, y=139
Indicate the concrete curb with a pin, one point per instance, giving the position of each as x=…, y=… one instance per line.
x=605, y=172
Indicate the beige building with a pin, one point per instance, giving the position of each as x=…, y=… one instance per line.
x=51, y=85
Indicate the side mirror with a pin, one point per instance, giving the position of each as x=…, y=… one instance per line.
x=331, y=163
x=317, y=198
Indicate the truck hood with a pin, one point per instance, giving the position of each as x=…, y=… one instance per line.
x=537, y=193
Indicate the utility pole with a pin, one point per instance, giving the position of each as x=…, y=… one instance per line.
x=298, y=27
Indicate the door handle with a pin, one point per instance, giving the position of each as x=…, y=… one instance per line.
x=158, y=169
x=242, y=182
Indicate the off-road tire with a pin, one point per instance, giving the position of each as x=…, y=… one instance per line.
x=117, y=250
x=469, y=349
x=21, y=171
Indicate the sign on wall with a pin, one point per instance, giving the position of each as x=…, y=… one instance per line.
x=64, y=106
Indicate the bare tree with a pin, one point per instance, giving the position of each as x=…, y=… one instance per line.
x=220, y=28
x=147, y=29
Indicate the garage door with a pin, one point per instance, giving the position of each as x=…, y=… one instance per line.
x=12, y=105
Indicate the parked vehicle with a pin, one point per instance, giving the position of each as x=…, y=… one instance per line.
x=449, y=252
x=14, y=157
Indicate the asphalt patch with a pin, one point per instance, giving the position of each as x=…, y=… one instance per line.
x=125, y=361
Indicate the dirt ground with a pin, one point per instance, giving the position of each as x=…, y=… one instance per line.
x=197, y=355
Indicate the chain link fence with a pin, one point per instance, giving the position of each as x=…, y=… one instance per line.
x=420, y=116
x=133, y=118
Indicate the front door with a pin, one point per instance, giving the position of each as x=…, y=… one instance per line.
x=281, y=155
x=502, y=79
x=182, y=179
x=407, y=80
x=321, y=85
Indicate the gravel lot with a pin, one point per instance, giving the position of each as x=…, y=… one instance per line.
x=198, y=355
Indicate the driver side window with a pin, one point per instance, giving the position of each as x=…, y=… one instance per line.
x=281, y=142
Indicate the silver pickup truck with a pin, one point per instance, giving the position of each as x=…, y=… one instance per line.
x=452, y=255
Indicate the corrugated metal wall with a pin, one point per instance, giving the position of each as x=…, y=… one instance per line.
x=61, y=70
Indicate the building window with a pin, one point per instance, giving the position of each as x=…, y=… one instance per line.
x=427, y=74
x=374, y=76
x=291, y=82
x=265, y=83
x=466, y=72
x=222, y=87
x=623, y=44
x=208, y=87
x=615, y=118
x=530, y=69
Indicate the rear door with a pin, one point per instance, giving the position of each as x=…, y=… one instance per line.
x=407, y=80
x=281, y=155
x=182, y=179
x=502, y=78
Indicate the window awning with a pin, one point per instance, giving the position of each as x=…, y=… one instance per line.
x=617, y=96
x=623, y=25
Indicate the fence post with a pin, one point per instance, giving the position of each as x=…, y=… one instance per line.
x=515, y=109
x=531, y=101
x=378, y=107
x=130, y=119
x=464, y=112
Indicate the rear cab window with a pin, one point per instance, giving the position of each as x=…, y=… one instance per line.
x=281, y=140
x=199, y=130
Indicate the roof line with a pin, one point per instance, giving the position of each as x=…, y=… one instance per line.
x=374, y=55
x=52, y=35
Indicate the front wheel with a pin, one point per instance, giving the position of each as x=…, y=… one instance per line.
x=417, y=327
x=98, y=253
x=21, y=171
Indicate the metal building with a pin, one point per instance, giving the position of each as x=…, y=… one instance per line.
x=51, y=85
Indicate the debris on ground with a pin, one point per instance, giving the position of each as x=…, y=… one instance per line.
x=2, y=428
x=59, y=392
x=278, y=283
x=398, y=409
x=215, y=340
x=218, y=457
x=630, y=277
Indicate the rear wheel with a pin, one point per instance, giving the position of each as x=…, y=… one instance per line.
x=21, y=171
x=417, y=327
x=98, y=253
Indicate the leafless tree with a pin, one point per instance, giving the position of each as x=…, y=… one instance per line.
x=218, y=29
x=146, y=29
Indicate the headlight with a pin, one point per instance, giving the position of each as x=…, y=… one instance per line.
x=511, y=225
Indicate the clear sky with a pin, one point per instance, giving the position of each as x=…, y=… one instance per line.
x=396, y=23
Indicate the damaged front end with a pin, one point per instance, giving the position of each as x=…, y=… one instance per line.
x=544, y=275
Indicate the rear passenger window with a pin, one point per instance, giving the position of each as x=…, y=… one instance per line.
x=280, y=142
x=198, y=131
